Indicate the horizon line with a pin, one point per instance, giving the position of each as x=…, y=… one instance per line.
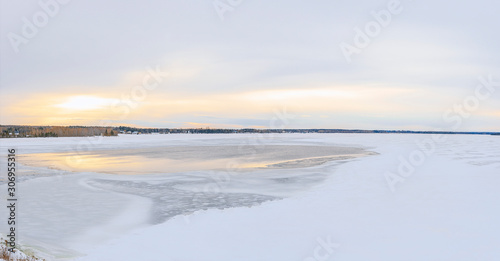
x=250, y=128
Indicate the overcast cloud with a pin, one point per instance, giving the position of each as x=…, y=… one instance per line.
x=262, y=57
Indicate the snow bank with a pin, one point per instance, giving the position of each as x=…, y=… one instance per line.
x=447, y=209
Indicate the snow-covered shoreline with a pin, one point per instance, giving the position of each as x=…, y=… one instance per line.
x=445, y=211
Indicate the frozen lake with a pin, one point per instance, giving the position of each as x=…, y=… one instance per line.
x=80, y=192
x=258, y=197
x=165, y=158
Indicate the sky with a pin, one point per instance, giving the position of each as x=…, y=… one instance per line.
x=415, y=65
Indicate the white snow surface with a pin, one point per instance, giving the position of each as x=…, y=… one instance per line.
x=446, y=209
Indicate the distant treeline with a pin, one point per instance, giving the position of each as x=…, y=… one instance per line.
x=133, y=130
x=8, y=131
x=11, y=131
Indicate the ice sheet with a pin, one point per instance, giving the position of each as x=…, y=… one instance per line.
x=447, y=209
x=67, y=209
